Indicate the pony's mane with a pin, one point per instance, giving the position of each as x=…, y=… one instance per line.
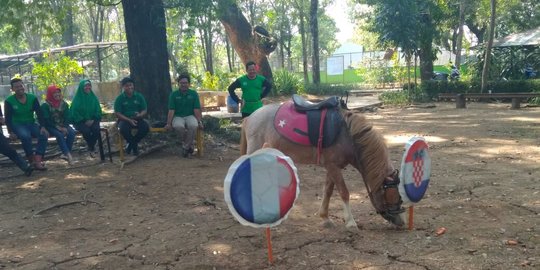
x=370, y=147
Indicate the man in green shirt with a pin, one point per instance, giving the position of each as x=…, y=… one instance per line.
x=21, y=109
x=254, y=88
x=184, y=113
x=130, y=108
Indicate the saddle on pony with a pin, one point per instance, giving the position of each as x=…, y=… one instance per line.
x=307, y=123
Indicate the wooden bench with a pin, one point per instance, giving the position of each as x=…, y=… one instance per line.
x=461, y=97
x=99, y=141
x=212, y=100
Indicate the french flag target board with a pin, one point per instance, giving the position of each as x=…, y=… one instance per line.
x=261, y=188
x=415, y=170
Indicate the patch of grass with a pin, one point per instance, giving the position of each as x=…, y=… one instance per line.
x=404, y=97
x=395, y=97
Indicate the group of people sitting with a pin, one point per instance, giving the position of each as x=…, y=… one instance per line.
x=56, y=117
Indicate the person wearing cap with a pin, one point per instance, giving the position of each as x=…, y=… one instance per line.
x=254, y=88
x=130, y=108
x=8, y=151
x=21, y=109
x=57, y=115
x=86, y=115
x=184, y=114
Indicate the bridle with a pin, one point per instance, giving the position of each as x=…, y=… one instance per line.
x=391, y=209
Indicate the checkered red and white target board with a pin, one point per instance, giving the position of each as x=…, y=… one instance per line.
x=415, y=170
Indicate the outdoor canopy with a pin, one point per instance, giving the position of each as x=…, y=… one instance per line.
x=527, y=38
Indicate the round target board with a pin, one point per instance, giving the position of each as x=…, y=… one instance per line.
x=260, y=189
x=415, y=170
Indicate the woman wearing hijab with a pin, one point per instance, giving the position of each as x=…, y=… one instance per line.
x=86, y=115
x=56, y=113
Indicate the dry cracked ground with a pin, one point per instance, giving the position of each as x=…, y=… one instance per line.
x=166, y=212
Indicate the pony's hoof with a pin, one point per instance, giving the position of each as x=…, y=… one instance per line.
x=353, y=228
x=328, y=224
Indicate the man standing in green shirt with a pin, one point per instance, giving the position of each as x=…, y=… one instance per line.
x=130, y=108
x=184, y=113
x=254, y=88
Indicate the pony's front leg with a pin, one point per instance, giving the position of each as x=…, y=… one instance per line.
x=327, y=194
x=337, y=176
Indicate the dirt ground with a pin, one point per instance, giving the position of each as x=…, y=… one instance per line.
x=166, y=212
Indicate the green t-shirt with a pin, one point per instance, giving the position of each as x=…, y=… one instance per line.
x=129, y=106
x=183, y=104
x=22, y=113
x=251, y=93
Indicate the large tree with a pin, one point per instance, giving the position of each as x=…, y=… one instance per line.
x=249, y=44
x=314, y=24
x=147, y=49
x=411, y=25
x=487, y=57
x=299, y=5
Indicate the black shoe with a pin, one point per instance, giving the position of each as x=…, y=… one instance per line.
x=28, y=171
x=128, y=148
x=185, y=152
x=135, y=149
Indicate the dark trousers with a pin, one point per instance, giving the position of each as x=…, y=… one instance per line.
x=90, y=133
x=125, y=129
x=8, y=151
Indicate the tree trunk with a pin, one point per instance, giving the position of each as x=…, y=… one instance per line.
x=281, y=50
x=426, y=61
x=478, y=32
x=147, y=49
x=240, y=32
x=487, y=58
x=205, y=33
x=315, y=36
x=304, y=43
x=68, y=38
x=230, y=53
x=426, y=53
x=460, y=34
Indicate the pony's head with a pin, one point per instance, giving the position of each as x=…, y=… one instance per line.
x=373, y=162
x=392, y=200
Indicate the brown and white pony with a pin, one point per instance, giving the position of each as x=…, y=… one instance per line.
x=358, y=144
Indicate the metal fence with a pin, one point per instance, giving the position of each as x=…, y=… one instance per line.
x=355, y=60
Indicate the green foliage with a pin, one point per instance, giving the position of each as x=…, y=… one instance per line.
x=433, y=88
x=223, y=128
x=210, y=82
x=329, y=89
x=218, y=82
x=287, y=83
x=506, y=63
x=536, y=86
x=375, y=71
x=399, y=72
x=55, y=69
x=404, y=97
x=395, y=97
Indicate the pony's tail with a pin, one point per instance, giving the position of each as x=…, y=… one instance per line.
x=243, y=139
